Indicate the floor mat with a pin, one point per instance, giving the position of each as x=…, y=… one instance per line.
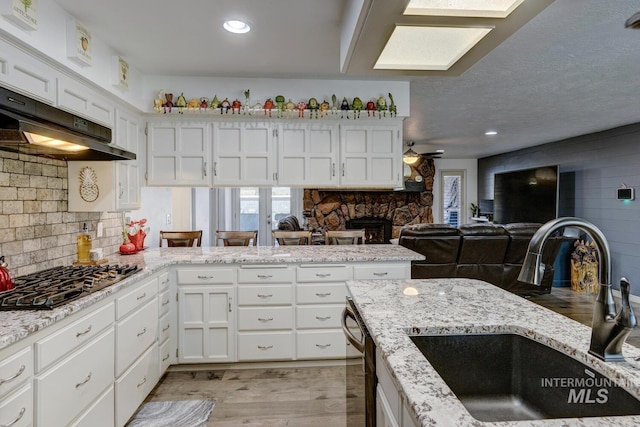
x=183, y=413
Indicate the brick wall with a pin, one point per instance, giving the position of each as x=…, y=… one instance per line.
x=36, y=231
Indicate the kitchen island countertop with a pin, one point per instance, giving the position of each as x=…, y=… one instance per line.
x=441, y=306
x=18, y=324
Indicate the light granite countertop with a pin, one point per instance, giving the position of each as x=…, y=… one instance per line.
x=445, y=306
x=19, y=324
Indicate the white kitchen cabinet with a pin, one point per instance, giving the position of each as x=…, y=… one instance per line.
x=23, y=73
x=244, y=154
x=167, y=322
x=128, y=135
x=308, y=154
x=16, y=409
x=371, y=155
x=135, y=384
x=80, y=99
x=178, y=154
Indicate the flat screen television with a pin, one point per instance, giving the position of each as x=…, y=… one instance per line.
x=528, y=195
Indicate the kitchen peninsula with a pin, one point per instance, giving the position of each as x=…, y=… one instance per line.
x=186, y=306
x=416, y=394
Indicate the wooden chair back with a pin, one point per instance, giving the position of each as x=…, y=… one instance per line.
x=237, y=238
x=344, y=237
x=285, y=237
x=181, y=238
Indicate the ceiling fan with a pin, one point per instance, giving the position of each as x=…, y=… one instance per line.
x=410, y=156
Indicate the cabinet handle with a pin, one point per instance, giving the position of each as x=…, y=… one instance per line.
x=165, y=302
x=380, y=274
x=323, y=275
x=8, y=380
x=141, y=296
x=265, y=319
x=80, y=384
x=264, y=276
x=144, y=331
x=144, y=380
x=265, y=347
x=120, y=190
x=343, y=169
x=20, y=415
x=323, y=318
x=215, y=168
x=166, y=329
x=204, y=169
x=205, y=277
x=323, y=346
x=323, y=294
x=166, y=357
x=85, y=332
x=265, y=295
x=229, y=301
x=333, y=169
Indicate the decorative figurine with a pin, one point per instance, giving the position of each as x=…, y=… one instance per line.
x=334, y=105
x=247, y=102
x=280, y=104
x=181, y=103
x=168, y=105
x=236, y=105
x=193, y=105
x=289, y=108
x=313, y=107
x=268, y=106
x=215, y=103
x=356, y=106
x=225, y=106
x=344, y=107
x=381, y=106
x=204, y=103
x=324, y=108
x=371, y=106
x=256, y=107
x=157, y=103
x=301, y=106
x=392, y=107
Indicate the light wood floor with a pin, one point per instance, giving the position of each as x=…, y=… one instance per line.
x=311, y=397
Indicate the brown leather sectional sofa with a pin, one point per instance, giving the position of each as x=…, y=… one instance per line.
x=490, y=252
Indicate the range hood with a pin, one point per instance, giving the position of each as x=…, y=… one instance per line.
x=32, y=127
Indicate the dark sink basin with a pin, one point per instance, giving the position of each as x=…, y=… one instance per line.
x=507, y=377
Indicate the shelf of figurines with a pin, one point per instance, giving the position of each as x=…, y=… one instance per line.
x=311, y=109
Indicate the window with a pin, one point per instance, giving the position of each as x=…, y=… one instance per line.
x=452, y=196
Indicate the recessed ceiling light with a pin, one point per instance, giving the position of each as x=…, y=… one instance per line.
x=236, y=27
x=467, y=8
x=491, y=132
x=427, y=48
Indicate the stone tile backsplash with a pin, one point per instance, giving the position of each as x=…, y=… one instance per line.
x=36, y=231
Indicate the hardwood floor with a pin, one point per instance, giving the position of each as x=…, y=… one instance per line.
x=310, y=397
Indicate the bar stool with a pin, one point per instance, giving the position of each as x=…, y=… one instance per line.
x=238, y=238
x=181, y=238
x=344, y=237
x=284, y=238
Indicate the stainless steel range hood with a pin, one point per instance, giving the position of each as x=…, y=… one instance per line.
x=33, y=127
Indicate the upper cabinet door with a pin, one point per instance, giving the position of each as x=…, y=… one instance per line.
x=77, y=98
x=22, y=72
x=178, y=154
x=243, y=154
x=371, y=155
x=308, y=154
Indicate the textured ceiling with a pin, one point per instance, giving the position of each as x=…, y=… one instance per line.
x=573, y=69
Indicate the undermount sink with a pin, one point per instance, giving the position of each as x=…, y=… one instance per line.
x=508, y=377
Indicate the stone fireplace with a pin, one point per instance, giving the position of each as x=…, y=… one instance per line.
x=338, y=209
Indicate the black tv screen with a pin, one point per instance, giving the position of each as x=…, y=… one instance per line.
x=528, y=195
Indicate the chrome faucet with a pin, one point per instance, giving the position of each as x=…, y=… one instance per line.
x=609, y=330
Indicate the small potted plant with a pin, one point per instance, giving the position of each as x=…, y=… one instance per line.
x=475, y=210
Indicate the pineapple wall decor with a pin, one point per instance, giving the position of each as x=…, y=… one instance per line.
x=89, y=190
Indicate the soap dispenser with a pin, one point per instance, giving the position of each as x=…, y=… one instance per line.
x=84, y=245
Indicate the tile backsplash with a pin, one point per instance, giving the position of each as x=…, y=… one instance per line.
x=36, y=231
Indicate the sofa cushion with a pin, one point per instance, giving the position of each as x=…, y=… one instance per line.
x=520, y=234
x=482, y=244
x=439, y=243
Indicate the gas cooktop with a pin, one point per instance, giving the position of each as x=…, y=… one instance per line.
x=57, y=286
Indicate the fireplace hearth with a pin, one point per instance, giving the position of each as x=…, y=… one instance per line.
x=376, y=230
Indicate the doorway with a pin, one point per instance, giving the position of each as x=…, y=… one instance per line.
x=452, y=196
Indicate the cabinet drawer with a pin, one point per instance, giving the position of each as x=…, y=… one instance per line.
x=311, y=317
x=164, y=326
x=321, y=345
x=205, y=276
x=64, y=391
x=382, y=271
x=16, y=410
x=163, y=303
x=323, y=273
x=328, y=293
x=262, y=319
x=135, y=334
x=163, y=281
x=137, y=297
x=100, y=413
x=271, y=274
x=71, y=337
x=15, y=370
x=265, y=346
x=135, y=385
x=265, y=295
x=165, y=356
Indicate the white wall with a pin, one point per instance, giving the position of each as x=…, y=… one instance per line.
x=470, y=167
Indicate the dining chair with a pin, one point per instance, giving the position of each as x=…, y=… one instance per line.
x=237, y=238
x=344, y=237
x=285, y=237
x=181, y=238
